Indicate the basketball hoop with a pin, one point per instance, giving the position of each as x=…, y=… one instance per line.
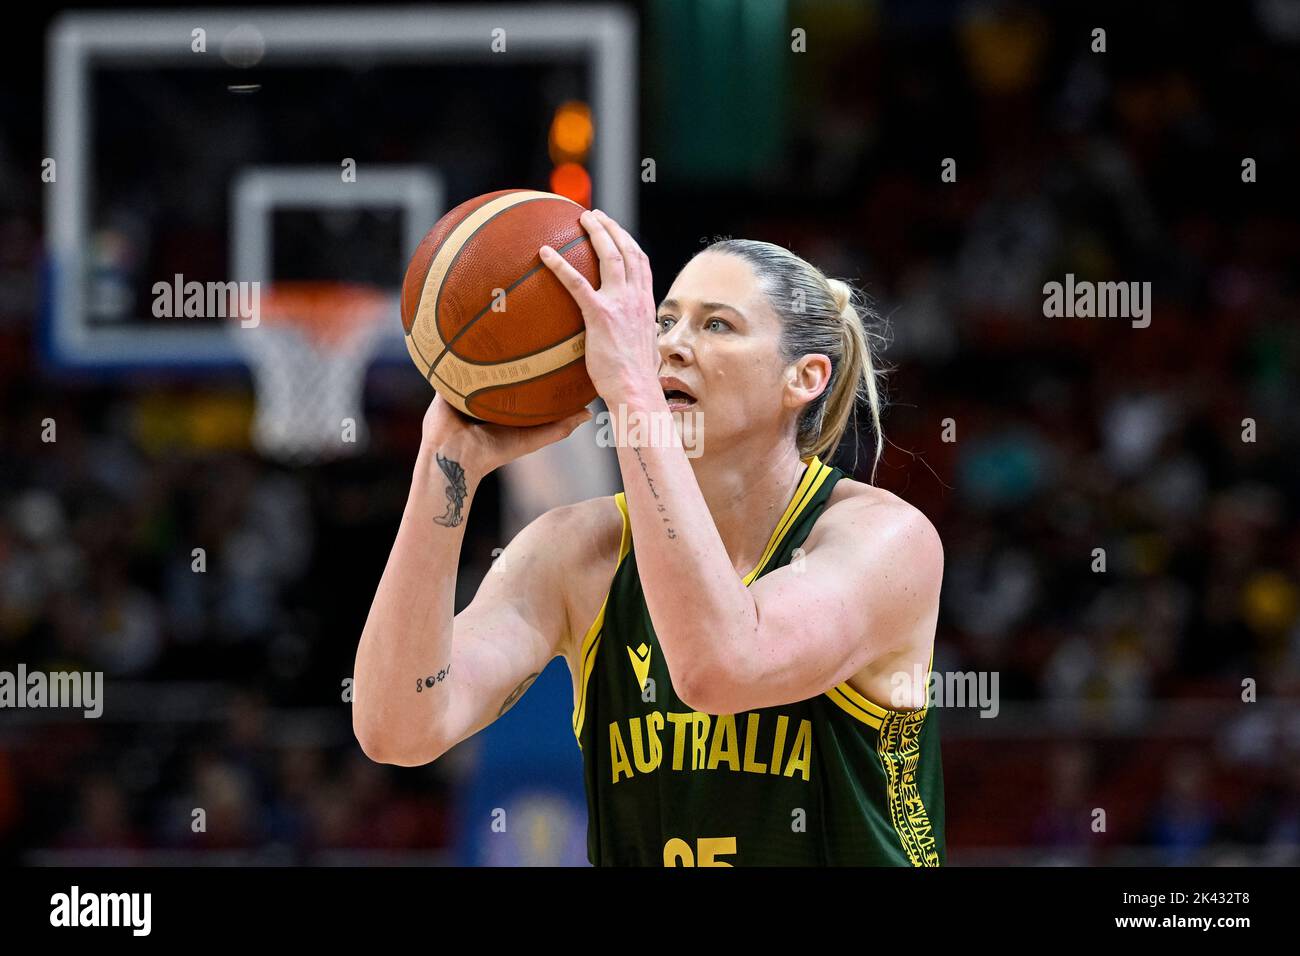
x=308, y=345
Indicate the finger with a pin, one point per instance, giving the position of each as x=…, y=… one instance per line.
x=627, y=248
x=570, y=278
x=542, y=435
x=578, y=418
x=613, y=267
x=638, y=263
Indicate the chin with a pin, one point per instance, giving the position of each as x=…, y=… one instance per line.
x=690, y=429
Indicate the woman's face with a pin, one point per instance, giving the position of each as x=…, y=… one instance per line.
x=720, y=337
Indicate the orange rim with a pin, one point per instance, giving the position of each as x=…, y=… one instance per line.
x=327, y=312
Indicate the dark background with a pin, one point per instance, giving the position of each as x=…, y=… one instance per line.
x=1120, y=691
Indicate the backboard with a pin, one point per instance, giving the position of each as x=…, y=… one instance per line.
x=214, y=146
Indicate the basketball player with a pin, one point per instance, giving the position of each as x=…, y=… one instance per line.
x=749, y=631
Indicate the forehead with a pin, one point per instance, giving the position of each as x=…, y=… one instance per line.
x=718, y=277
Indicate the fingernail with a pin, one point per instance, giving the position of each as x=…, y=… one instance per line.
x=544, y=250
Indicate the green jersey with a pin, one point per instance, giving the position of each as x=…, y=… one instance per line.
x=832, y=780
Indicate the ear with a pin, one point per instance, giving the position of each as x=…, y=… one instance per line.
x=805, y=379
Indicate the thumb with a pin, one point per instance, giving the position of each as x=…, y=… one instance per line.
x=556, y=430
x=574, y=420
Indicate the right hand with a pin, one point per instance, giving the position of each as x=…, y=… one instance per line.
x=483, y=447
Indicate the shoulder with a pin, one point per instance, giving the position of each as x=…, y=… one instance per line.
x=583, y=540
x=587, y=528
x=562, y=543
x=879, y=525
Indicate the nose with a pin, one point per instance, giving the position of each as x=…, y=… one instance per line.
x=675, y=344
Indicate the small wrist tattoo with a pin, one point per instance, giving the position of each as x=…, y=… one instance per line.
x=658, y=504
x=422, y=682
x=456, y=491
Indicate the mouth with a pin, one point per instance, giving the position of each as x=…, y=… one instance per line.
x=676, y=395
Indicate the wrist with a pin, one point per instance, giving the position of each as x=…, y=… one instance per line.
x=641, y=395
x=439, y=455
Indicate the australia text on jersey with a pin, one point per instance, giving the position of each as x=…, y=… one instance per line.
x=636, y=745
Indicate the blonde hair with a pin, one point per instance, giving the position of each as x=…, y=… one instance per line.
x=828, y=316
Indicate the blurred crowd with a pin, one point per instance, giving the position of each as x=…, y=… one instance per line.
x=222, y=598
x=1118, y=505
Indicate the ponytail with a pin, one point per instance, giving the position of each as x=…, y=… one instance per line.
x=853, y=381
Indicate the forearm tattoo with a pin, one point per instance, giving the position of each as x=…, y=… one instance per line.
x=456, y=492
x=663, y=512
x=422, y=682
x=518, y=692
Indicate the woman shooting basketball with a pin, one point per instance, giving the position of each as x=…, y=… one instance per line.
x=744, y=628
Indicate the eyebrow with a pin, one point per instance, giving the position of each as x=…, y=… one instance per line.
x=705, y=306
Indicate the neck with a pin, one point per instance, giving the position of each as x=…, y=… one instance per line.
x=747, y=491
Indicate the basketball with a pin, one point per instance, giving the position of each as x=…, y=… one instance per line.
x=487, y=323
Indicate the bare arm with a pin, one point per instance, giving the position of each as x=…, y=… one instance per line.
x=424, y=682
x=692, y=592
x=871, y=571
x=869, y=577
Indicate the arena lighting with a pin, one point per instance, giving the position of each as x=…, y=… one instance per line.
x=572, y=181
x=571, y=132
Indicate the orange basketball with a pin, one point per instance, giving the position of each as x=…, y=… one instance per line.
x=487, y=323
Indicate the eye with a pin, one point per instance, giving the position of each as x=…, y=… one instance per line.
x=662, y=321
x=721, y=322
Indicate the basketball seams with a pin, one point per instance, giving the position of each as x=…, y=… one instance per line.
x=476, y=221
x=466, y=377
x=426, y=311
x=412, y=341
x=540, y=417
x=515, y=285
x=451, y=265
x=466, y=381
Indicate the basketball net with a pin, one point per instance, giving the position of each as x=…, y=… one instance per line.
x=308, y=347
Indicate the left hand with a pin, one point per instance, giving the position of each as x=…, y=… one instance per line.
x=621, y=317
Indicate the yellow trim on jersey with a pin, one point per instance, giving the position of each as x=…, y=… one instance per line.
x=898, y=734
x=898, y=746
x=813, y=477
x=868, y=711
x=587, y=657
x=855, y=705
x=870, y=706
